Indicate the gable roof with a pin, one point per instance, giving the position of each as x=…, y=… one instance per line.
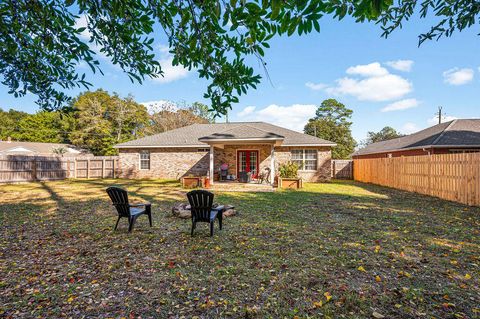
x=196, y=135
x=456, y=133
x=14, y=147
x=242, y=132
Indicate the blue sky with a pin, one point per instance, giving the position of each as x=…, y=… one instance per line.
x=385, y=81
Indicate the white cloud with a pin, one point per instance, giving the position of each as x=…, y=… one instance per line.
x=401, y=65
x=293, y=116
x=409, y=128
x=246, y=111
x=445, y=118
x=368, y=70
x=171, y=73
x=376, y=84
x=401, y=105
x=81, y=22
x=315, y=86
x=458, y=76
x=380, y=88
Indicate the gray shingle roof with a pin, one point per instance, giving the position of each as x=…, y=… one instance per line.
x=35, y=148
x=189, y=136
x=242, y=132
x=456, y=133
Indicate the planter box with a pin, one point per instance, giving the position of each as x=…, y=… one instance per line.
x=294, y=183
x=191, y=182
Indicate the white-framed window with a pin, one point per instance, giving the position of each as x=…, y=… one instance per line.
x=305, y=159
x=203, y=150
x=144, y=160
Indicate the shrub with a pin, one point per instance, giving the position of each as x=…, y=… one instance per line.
x=288, y=170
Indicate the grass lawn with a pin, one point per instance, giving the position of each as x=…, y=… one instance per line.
x=337, y=250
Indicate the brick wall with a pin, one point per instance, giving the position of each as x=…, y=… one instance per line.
x=164, y=163
x=178, y=162
x=324, y=158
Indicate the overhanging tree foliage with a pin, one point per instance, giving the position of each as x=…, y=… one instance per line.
x=41, y=42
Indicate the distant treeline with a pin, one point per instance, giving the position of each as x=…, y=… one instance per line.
x=96, y=121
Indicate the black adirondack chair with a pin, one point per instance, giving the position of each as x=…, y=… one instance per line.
x=201, y=202
x=119, y=199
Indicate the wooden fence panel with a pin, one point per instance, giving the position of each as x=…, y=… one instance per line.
x=35, y=168
x=454, y=177
x=342, y=169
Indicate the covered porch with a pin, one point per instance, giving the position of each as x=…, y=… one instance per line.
x=242, y=152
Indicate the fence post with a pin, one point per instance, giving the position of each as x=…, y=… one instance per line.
x=34, y=168
x=103, y=168
x=114, y=167
x=88, y=168
x=430, y=191
x=68, y=168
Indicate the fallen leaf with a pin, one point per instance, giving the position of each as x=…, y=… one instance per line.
x=328, y=296
x=377, y=315
x=360, y=268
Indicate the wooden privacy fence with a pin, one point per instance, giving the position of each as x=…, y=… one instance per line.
x=342, y=169
x=39, y=168
x=454, y=177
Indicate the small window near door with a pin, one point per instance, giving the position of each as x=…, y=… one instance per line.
x=305, y=159
x=145, y=160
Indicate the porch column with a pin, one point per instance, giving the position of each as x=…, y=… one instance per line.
x=211, y=172
x=272, y=165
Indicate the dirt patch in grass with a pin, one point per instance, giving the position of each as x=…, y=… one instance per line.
x=338, y=250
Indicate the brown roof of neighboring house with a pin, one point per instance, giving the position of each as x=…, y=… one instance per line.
x=36, y=148
x=196, y=134
x=457, y=133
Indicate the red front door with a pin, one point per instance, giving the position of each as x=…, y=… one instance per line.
x=247, y=161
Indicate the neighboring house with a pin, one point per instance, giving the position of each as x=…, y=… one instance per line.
x=457, y=136
x=39, y=149
x=200, y=149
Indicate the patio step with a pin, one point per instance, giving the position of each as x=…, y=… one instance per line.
x=241, y=187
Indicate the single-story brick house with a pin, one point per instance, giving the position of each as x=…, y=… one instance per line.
x=200, y=150
x=457, y=136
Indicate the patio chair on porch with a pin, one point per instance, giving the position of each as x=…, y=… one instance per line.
x=201, y=202
x=119, y=199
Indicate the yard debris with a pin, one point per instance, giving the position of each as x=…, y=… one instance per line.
x=377, y=315
x=180, y=210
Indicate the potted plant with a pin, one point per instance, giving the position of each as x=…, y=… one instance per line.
x=289, y=176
